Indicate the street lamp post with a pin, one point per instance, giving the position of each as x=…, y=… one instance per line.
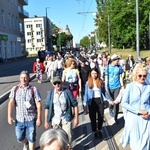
x=60, y=36
x=137, y=30
x=47, y=31
x=149, y=30
x=89, y=41
x=109, y=39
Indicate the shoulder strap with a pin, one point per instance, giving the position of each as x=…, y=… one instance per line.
x=16, y=89
x=32, y=90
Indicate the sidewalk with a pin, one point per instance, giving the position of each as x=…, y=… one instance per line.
x=6, y=83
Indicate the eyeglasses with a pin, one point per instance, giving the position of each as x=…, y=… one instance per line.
x=56, y=83
x=140, y=76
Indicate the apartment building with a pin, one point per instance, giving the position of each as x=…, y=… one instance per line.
x=37, y=34
x=12, y=28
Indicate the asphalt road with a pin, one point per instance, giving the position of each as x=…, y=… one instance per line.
x=83, y=138
x=9, y=76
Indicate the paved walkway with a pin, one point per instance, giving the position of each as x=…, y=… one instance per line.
x=6, y=83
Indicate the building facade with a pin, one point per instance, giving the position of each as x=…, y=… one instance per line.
x=37, y=34
x=11, y=28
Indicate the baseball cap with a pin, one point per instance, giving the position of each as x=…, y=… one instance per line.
x=82, y=59
x=37, y=59
x=115, y=57
x=57, y=79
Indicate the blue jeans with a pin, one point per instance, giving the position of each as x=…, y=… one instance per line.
x=26, y=129
x=59, y=72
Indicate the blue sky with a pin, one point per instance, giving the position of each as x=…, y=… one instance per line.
x=65, y=12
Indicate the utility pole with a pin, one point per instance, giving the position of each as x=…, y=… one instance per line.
x=60, y=36
x=109, y=38
x=149, y=30
x=47, y=30
x=137, y=30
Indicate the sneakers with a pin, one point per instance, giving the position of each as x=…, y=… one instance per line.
x=26, y=146
x=85, y=110
x=111, y=113
x=98, y=135
x=39, y=81
x=116, y=121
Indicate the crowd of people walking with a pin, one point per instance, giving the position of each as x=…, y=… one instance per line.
x=93, y=76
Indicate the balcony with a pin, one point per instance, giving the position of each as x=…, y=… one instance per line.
x=22, y=13
x=23, y=2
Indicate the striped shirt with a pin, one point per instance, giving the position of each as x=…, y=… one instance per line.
x=25, y=100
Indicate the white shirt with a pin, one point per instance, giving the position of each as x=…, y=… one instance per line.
x=96, y=92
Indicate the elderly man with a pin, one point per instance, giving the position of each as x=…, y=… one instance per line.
x=113, y=84
x=58, y=108
x=26, y=100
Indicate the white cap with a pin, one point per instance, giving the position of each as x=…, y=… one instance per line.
x=37, y=59
x=115, y=56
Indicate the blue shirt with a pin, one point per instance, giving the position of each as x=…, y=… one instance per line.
x=113, y=73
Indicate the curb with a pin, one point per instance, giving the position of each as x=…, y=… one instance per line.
x=5, y=96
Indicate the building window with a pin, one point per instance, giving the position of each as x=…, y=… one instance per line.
x=16, y=2
x=38, y=33
x=15, y=48
x=38, y=25
x=9, y=20
x=13, y=22
x=38, y=40
x=29, y=41
x=16, y=23
x=28, y=33
x=29, y=26
x=3, y=18
x=5, y=50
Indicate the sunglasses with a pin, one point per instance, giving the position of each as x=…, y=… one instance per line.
x=56, y=83
x=140, y=76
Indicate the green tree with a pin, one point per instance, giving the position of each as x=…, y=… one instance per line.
x=122, y=16
x=54, y=37
x=63, y=38
x=85, y=42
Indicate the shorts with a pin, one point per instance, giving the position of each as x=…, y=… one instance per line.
x=26, y=129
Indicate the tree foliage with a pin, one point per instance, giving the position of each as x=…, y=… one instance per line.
x=54, y=37
x=85, y=42
x=122, y=14
x=60, y=39
x=63, y=38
